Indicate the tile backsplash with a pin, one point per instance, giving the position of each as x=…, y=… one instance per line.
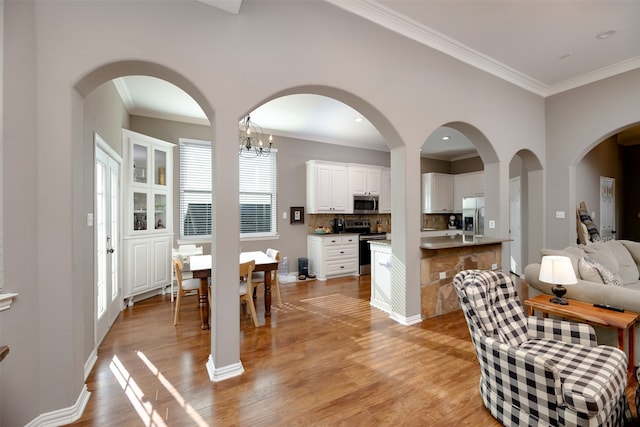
x=326, y=220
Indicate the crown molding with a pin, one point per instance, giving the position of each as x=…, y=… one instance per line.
x=401, y=24
x=602, y=73
x=405, y=26
x=124, y=93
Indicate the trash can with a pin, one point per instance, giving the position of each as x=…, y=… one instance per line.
x=303, y=267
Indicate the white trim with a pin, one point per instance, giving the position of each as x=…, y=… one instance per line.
x=5, y=300
x=91, y=361
x=406, y=321
x=124, y=93
x=403, y=25
x=63, y=416
x=104, y=146
x=224, y=373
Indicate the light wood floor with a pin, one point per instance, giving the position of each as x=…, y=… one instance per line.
x=325, y=358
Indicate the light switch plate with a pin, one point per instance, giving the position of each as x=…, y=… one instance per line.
x=443, y=274
x=90, y=219
x=492, y=224
x=560, y=214
x=284, y=215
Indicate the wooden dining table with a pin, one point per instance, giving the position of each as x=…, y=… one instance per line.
x=201, y=269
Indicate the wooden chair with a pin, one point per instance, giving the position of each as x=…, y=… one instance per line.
x=184, y=252
x=185, y=287
x=246, y=288
x=258, y=276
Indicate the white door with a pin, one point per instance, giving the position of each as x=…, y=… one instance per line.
x=607, y=208
x=515, y=232
x=107, y=242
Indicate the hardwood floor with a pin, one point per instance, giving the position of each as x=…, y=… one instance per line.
x=326, y=357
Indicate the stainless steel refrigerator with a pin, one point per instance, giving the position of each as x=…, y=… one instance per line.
x=473, y=216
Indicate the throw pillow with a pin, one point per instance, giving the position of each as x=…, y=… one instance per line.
x=585, y=218
x=628, y=270
x=593, y=271
x=601, y=252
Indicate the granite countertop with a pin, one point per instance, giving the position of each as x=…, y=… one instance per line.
x=445, y=242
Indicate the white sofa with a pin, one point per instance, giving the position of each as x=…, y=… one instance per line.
x=607, y=272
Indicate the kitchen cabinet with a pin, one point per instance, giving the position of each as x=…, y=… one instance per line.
x=364, y=180
x=327, y=187
x=333, y=255
x=148, y=219
x=381, y=259
x=385, y=191
x=467, y=185
x=437, y=193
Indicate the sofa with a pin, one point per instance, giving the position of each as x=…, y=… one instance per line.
x=608, y=273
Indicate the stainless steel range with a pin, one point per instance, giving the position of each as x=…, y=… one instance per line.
x=363, y=228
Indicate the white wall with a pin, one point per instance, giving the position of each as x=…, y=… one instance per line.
x=405, y=89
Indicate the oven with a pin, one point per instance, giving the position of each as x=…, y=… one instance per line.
x=363, y=228
x=364, y=251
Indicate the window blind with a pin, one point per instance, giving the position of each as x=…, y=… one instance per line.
x=258, y=194
x=195, y=188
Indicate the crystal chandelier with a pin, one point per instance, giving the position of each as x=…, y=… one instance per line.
x=251, y=137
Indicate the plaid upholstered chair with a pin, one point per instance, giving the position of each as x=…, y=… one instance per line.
x=539, y=372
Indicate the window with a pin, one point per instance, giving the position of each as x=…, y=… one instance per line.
x=195, y=188
x=258, y=210
x=257, y=184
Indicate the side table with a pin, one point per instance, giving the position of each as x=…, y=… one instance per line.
x=587, y=313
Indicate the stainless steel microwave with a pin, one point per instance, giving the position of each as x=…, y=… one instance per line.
x=365, y=204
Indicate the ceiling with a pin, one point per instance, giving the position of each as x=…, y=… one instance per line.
x=545, y=47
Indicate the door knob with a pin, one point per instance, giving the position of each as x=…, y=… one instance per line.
x=110, y=250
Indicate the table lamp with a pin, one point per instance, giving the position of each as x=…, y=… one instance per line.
x=558, y=271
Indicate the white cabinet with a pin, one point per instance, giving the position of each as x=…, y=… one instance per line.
x=381, y=275
x=437, y=193
x=148, y=208
x=467, y=185
x=364, y=180
x=385, y=191
x=333, y=255
x=327, y=187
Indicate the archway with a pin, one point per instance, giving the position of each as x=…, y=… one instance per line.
x=103, y=116
x=525, y=210
x=614, y=157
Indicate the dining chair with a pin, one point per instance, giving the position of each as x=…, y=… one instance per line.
x=258, y=276
x=184, y=252
x=185, y=287
x=246, y=288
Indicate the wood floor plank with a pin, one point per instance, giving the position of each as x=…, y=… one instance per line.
x=325, y=358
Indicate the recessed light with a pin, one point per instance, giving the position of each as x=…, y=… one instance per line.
x=605, y=34
x=358, y=119
x=446, y=138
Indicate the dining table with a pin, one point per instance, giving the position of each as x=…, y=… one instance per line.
x=201, y=269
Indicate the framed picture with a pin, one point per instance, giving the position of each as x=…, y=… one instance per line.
x=297, y=215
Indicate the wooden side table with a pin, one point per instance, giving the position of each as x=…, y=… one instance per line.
x=587, y=313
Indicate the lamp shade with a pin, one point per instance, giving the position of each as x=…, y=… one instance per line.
x=557, y=270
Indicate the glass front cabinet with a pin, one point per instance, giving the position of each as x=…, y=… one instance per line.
x=148, y=220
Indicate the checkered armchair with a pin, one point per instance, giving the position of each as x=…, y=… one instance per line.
x=539, y=372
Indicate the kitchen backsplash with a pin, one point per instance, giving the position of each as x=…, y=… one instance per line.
x=439, y=221
x=326, y=220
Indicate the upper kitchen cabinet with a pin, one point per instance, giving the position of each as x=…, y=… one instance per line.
x=327, y=187
x=385, y=191
x=467, y=185
x=437, y=193
x=364, y=180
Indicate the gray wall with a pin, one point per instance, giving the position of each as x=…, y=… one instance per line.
x=57, y=53
x=292, y=155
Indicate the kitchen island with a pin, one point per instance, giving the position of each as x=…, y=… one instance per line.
x=442, y=257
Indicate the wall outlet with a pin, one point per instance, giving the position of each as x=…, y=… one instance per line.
x=443, y=275
x=560, y=214
x=90, y=219
x=492, y=224
x=494, y=266
x=284, y=215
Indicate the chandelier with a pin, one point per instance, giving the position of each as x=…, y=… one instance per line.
x=251, y=137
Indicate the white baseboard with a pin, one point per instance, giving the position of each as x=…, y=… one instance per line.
x=63, y=416
x=91, y=361
x=224, y=373
x=407, y=321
